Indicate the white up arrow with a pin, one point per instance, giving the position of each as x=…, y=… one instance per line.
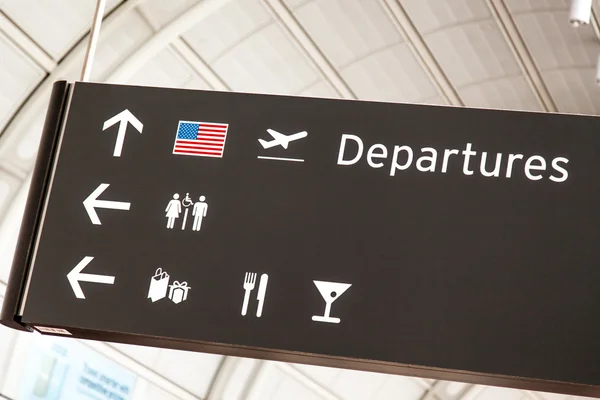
x=124, y=117
x=92, y=202
x=75, y=276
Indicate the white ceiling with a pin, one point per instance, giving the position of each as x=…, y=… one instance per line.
x=510, y=54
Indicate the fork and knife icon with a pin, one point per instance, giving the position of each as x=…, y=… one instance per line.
x=249, y=284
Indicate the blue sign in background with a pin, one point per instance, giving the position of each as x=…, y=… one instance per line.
x=66, y=369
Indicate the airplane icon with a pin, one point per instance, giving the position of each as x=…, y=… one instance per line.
x=280, y=139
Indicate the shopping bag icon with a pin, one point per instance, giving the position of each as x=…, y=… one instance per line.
x=159, y=284
x=178, y=291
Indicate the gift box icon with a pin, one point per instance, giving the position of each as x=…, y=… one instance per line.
x=178, y=291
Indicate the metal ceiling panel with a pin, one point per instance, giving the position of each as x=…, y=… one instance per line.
x=362, y=42
x=161, y=12
x=473, y=52
x=55, y=25
x=392, y=74
x=435, y=100
x=520, y=6
x=510, y=92
x=554, y=43
x=196, y=82
x=5, y=192
x=492, y=393
x=167, y=69
x=26, y=148
x=566, y=57
x=356, y=385
x=430, y=16
x=399, y=387
x=273, y=383
x=323, y=375
x=347, y=30
x=18, y=76
x=295, y=3
x=319, y=89
x=12, y=214
x=226, y=28
x=471, y=49
x=9, y=186
x=289, y=389
x=574, y=90
x=192, y=371
x=266, y=62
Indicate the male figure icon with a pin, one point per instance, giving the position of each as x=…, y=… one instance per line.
x=199, y=212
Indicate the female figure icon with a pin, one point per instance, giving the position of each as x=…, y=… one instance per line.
x=173, y=210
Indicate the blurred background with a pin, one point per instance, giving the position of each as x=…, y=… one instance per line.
x=508, y=54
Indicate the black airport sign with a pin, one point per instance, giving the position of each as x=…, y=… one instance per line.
x=442, y=242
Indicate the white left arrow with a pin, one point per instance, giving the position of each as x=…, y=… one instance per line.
x=123, y=118
x=92, y=202
x=76, y=276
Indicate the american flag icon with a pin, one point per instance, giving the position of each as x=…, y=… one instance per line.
x=205, y=139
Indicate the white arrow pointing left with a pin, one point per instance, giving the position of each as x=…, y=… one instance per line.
x=92, y=202
x=76, y=276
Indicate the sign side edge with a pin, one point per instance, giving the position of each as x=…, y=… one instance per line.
x=20, y=270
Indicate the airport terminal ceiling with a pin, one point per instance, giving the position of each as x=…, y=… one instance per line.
x=504, y=54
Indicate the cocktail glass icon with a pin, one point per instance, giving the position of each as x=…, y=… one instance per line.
x=331, y=291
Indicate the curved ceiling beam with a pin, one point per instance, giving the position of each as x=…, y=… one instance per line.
x=165, y=36
x=25, y=43
x=36, y=102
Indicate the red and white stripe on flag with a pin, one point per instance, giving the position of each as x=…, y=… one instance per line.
x=206, y=139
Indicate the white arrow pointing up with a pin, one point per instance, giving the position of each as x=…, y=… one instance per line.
x=124, y=117
x=92, y=202
x=75, y=276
